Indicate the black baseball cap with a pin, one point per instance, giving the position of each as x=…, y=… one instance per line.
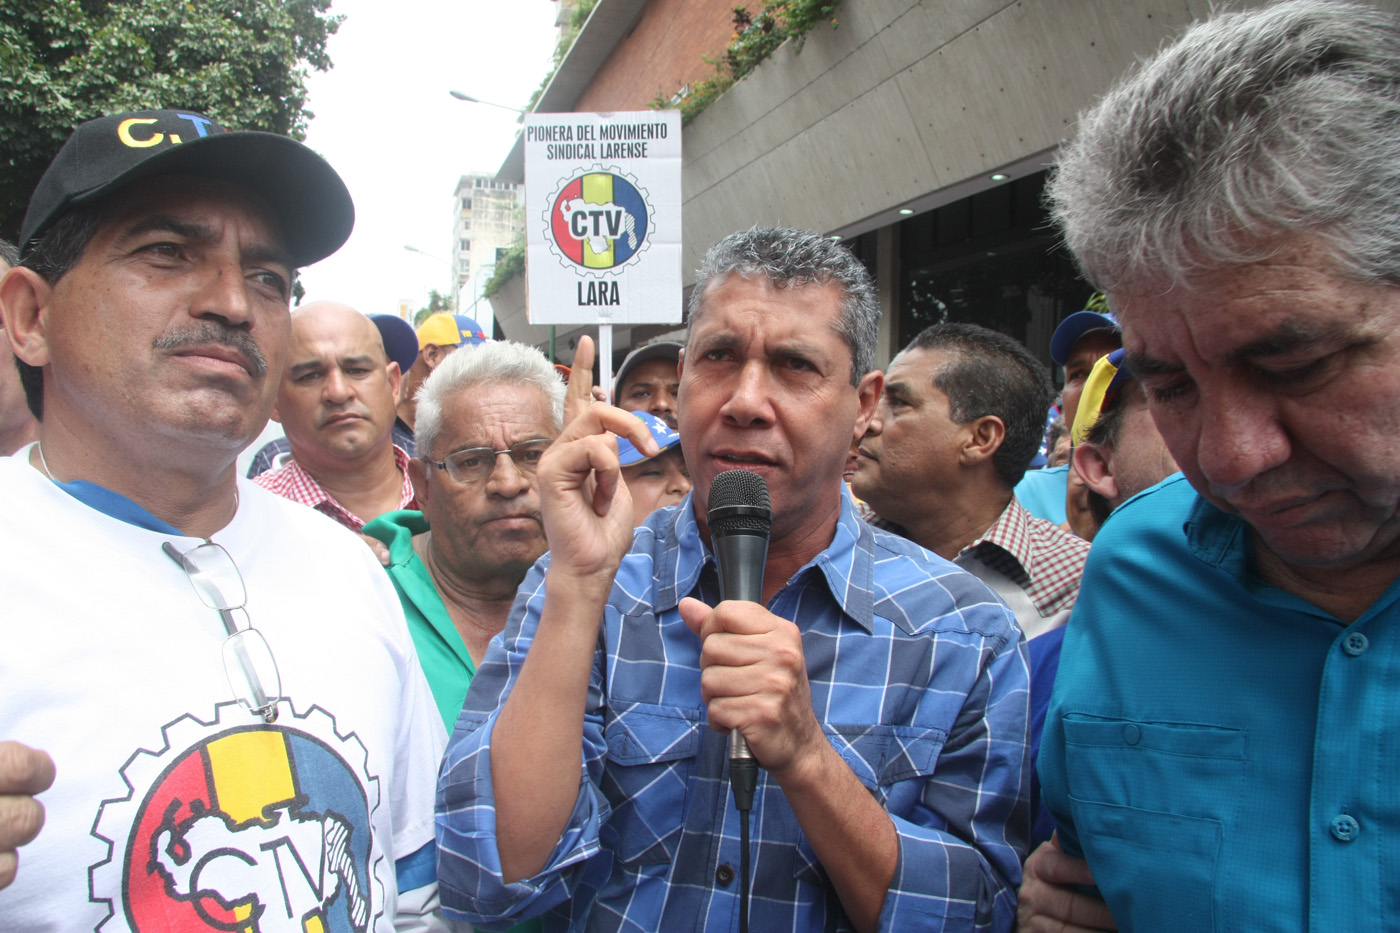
x=104, y=155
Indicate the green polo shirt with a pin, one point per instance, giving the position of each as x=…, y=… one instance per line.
x=443, y=655
x=441, y=651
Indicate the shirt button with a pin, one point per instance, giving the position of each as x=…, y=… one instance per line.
x=724, y=874
x=1345, y=827
x=1132, y=734
x=1355, y=644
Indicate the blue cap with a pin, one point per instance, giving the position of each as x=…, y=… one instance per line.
x=400, y=342
x=472, y=334
x=661, y=432
x=1074, y=327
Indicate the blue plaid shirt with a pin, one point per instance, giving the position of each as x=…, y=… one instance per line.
x=918, y=675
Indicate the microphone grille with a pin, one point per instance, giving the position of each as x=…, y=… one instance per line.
x=739, y=502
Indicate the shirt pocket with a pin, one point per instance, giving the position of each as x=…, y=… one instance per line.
x=1152, y=802
x=891, y=761
x=651, y=755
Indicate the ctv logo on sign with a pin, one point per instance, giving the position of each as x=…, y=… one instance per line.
x=598, y=221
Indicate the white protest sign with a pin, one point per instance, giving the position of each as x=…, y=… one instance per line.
x=603, y=217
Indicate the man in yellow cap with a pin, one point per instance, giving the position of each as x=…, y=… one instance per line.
x=1117, y=448
x=438, y=336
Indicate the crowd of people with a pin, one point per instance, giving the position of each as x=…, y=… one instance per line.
x=493, y=682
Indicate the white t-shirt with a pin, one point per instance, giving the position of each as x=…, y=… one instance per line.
x=174, y=806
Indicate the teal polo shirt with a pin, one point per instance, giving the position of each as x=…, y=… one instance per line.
x=1224, y=753
x=1042, y=493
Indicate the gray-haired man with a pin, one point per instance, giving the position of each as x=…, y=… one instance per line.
x=1218, y=741
x=582, y=782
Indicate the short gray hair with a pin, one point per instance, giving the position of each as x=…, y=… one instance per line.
x=494, y=362
x=798, y=257
x=1254, y=125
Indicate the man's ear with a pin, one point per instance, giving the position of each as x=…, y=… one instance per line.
x=432, y=355
x=418, y=475
x=24, y=310
x=395, y=379
x=680, y=364
x=1091, y=462
x=984, y=438
x=867, y=396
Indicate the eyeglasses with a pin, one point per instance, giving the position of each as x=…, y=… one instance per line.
x=476, y=463
x=248, y=661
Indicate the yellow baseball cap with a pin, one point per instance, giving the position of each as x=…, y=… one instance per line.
x=1100, y=389
x=450, y=330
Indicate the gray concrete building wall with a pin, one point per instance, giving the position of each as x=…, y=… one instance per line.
x=907, y=105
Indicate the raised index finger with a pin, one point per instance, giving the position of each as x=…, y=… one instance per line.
x=601, y=418
x=579, y=394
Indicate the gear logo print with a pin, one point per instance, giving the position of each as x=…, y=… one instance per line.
x=253, y=828
x=598, y=221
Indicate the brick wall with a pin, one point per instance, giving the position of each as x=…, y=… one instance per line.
x=662, y=53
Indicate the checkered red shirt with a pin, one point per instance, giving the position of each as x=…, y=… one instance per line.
x=290, y=481
x=1042, y=558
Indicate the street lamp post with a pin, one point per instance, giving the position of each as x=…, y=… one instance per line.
x=461, y=95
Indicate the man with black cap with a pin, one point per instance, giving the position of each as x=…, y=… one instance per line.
x=18, y=426
x=239, y=726
x=438, y=336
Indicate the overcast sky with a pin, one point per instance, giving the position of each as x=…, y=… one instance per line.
x=385, y=120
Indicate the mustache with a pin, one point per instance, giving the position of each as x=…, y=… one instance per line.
x=205, y=333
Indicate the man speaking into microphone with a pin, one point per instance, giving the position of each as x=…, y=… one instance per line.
x=881, y=690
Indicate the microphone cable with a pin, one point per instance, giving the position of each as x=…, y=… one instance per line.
x=743, y=780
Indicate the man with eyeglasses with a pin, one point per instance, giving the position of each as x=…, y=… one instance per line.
x=223, y=680
x=484, y=419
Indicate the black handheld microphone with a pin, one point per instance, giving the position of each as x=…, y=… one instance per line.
x=740, y=516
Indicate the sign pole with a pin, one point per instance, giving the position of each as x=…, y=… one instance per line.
x=605, y=353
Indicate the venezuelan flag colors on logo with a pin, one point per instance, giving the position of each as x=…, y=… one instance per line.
x=252, y=829
x=599, y=220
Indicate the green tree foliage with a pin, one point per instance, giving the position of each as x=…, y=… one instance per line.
x=242, y=62
x=511, y=264
x=436, y=302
